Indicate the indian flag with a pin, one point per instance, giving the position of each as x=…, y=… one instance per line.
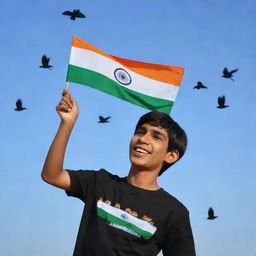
x=125, y=221
x=152, y=86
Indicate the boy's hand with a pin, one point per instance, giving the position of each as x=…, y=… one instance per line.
x=67, y=108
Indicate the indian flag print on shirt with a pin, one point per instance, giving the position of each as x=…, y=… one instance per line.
x=123, y=220
x=152, y=86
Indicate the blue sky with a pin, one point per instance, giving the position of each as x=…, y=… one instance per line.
x=218, y=169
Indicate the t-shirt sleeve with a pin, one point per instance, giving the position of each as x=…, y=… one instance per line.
x=179, y=239
x=82, y=182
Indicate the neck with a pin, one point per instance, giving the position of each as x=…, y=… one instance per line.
x=143, y=178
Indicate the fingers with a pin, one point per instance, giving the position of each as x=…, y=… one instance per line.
x=66, y=92
x=62, y=107
x=66, y=102
x=73, y=100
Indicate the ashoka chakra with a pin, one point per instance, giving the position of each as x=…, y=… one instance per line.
x=122, y=76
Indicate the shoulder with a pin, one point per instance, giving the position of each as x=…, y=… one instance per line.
x=173, y=205
x=101, y=173
x=104, y=175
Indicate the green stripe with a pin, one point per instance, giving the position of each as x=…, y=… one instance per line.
x=112, y=219
x=100, y=82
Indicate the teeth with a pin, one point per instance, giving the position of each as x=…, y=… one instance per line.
x=141, y=150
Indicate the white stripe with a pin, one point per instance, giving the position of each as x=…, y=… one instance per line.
x=142, y=224
x=101, y=64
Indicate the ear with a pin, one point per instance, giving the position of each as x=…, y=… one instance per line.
x=172, y=156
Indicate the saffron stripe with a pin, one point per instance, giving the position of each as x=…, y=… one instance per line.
x=164, y=73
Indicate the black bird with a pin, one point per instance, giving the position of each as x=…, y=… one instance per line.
x=211, y=214
x=75, y=14
x=19, y=105
x=229, y=74
x=103, y=119
x=45, y=62
x=200, y=86
x=221, y=102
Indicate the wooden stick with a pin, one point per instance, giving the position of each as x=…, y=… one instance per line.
x=67, y=84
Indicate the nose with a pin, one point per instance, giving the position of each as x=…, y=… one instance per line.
x=144, y=138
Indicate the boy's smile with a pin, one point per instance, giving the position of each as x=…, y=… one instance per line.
x=148, y=147
x=140, y=151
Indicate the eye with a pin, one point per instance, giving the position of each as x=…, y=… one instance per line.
x=139, y=131
x=157, y=137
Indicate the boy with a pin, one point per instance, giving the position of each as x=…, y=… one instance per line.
x=131, y=215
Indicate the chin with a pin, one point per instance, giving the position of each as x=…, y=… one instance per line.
x=139, y=163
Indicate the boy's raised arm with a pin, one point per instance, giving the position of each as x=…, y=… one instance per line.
x=53, y=172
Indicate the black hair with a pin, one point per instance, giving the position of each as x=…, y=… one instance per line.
x=177, y=136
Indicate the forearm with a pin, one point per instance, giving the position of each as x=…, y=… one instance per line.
x=53, y=165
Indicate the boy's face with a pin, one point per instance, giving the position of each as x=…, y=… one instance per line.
x=148, y=147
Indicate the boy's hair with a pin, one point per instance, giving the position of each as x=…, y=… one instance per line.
x=177, y=136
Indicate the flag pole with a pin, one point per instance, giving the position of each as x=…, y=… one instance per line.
x=67, y=83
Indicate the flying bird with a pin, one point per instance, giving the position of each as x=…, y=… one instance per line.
x=45, y=62
x=229, y=74
x=19, y=105
x=200, y=86
x=75, y=14
x=211, y=214
x=221, y=102
x=103, y=119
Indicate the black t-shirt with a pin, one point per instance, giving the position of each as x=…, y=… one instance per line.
x=120, y=219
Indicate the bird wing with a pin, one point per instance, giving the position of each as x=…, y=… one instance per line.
x=106, y=118
x=225, y=71
x=45, y=60
x=222, y=101
x=79, y=14
x=200, y=84
x=19, y=104
x=101, y=118
x=69, y=13
x=210, y=212
x=223, y=98
x=233, y=71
